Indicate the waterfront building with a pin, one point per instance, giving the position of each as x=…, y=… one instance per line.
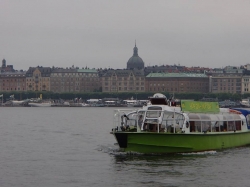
x=12, y=81
x=177, y=82
x=123, y=81
x=38, y=78
x=74, y=80
x=226, y=83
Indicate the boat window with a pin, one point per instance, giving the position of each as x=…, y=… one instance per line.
x=231, y=126
x=141, y=115
x=206, y=123
x=154, y=108
x=154, y=112
x=238, y=125
x=132, y=119
x=179, y=119
x=214, y=125
x=197, y=125
x=219, y=126
x=170, y=118
x=206, y=126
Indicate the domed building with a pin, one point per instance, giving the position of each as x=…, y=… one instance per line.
x=135, y=62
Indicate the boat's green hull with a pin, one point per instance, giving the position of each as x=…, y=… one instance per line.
x=146, y=142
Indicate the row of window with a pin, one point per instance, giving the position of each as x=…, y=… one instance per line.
x=73, y=83
x=125, y=78
x=9, y=89
x=74, y=79
x=225, y=88
x=13, y=84
x=227, y=80
x=13, y=80
x=125, y=84
x=124, y=88
x=62, y=89
x=202, y=89
x=13, y=75
x=73, y=74
x=176, y=83
x=32, y=79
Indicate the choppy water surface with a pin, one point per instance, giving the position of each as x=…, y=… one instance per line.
x=64, y=147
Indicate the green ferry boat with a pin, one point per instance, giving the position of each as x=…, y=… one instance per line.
x=162, y=127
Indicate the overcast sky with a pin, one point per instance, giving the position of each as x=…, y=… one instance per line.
x=102, y=34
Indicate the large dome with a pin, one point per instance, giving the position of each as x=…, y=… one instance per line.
x=135, y=62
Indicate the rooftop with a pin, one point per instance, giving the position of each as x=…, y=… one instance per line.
x=159, y=75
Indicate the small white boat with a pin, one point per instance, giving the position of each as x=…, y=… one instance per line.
x=47, y=104
x=19, y=103
x=134, y=103
x=85, y=105
x=245, y=102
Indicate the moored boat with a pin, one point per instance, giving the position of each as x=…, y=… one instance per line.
x=45, y=104
x=192, y=127
x=245, y=103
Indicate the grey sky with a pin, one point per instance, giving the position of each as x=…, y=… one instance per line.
x=95, y=33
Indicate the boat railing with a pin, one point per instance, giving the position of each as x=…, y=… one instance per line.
x=121, y=119
x=144, y=120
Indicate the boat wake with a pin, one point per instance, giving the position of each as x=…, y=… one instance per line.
x=200, y=153
x=109, y=149
x=116, y=151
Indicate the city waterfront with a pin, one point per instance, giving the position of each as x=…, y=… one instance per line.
x=61, y=146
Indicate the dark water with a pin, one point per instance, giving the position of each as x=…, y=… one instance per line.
x=71, y=147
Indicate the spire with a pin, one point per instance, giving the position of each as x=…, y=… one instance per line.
x=135, y=50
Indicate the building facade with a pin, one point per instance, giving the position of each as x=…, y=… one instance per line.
x=74, y=80
x=13, y=81
x=38, y=78
x=177, y=82
x=226, y=83
x=123, y=81
x=245, y=84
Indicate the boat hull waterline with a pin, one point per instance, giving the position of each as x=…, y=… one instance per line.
x=150, y=142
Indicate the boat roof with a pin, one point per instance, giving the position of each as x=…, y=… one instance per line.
x=158, y=99
x=93, y=100
x=193, y=116
x=244, y=111
x=214, y=117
